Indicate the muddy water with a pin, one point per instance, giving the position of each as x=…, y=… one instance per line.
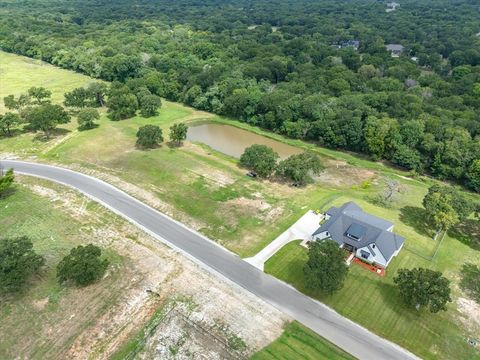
x=232, y=141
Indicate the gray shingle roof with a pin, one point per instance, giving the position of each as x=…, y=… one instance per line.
x=374, y=229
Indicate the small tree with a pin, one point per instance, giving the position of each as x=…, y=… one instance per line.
x=446, y=206
x=83, y=266
x=148, y=136
x=470, y=282
x=390, y=193
x=325, y=269
x=6, y=181
x=7, y=121
x=300, y=167
x=97, y=93
x=78, y=98
x=178, y=133
x=423, y=287
x=46, y=117
x=149, y=105
x=122, y=103
x=16, y=104
x=18, y=261
x=259, y=158
x=40, y=95
x=86, y=118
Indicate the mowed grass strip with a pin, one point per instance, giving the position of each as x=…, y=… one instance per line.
x=374, y=302
x=298, y=342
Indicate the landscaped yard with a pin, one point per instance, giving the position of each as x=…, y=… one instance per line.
x=298, y=342
x=374, y=302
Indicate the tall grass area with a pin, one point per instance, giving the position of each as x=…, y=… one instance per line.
x=42, y=321
x=298, y=342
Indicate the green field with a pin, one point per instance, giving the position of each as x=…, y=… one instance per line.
x=298, y=342
x=209, y=192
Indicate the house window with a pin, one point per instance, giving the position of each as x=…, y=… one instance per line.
x=364, y=254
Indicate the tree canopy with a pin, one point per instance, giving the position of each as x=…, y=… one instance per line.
x=18, y=261
x=300, y=167
x=325, y=269
x=6, y=181
x=259, y=158
x=178, y=133
x=148, y=136
x=313, y=70
x=423, y=287
x=83, y=266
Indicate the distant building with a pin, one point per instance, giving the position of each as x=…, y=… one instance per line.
x=368, y=237
x=392, y=6
x=395, y=49
x=355, y=44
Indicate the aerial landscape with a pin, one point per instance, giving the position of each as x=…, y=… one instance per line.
x=249, y=179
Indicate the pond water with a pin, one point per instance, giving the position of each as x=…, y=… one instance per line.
x=232, y=141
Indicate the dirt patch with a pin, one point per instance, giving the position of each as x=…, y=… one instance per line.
x=40, y=304
x=339, y=173
x=470, y=312
x=95, y=321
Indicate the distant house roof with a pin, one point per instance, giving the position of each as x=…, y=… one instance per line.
x=395, y=47
x=350, y=225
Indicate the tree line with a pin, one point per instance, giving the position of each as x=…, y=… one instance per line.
x=284, y=68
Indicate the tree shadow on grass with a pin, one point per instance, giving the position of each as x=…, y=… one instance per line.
x=394, y=301
x=417, y=218
x=467, y=232
x=7, y=193
x=40, y=136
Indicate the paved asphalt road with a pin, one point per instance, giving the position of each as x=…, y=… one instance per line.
x=344, y=333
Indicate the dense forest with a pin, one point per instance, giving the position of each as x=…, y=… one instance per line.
x=314, y=70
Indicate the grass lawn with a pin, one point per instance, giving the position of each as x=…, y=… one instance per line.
x=298, y=342
x=374, y=302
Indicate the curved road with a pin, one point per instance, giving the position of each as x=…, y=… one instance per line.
x=344, y=333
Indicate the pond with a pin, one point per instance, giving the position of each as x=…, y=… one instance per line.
x=232, y=141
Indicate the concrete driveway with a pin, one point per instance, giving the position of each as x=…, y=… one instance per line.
x=301, y=230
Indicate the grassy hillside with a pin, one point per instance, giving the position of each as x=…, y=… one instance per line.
x=18, y=74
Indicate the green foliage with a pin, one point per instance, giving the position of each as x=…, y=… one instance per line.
x=423, y=287
x=325, y=269
x=122, y=102
x=471, y=281
x=86, y=118
x=18, y=261
x=148, y=136
x=78, y=97
x=287, y=78
x=7, y=121
x=259, y=158
x=83, y=266
x=446, y=206
x=149, y=105
x=46, y=117
x=12, y=103
x=40, y=95
x=6, y=181
x=178, y=133
x=473, y=176
x=299, y=167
